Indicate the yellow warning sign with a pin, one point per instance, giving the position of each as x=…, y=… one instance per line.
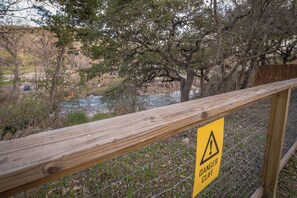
x=208, y=155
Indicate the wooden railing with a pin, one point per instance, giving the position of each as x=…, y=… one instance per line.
x=33, y=160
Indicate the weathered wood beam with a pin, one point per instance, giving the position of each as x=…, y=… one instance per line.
x=276, y=133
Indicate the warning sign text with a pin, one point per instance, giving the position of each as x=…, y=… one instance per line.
x=208, y=154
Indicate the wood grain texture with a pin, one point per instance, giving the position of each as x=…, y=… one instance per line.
x=277, y=126
x=43, y=157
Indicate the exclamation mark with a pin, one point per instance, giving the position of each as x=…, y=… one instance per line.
x=210, y=147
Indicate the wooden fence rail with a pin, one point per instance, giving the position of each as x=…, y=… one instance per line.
x=33, y=160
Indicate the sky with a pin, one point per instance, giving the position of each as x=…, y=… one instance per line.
x=22, y=12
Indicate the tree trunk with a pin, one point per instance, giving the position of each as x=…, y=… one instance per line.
x=263, y=60
x=285, y=59
x=55, y=78
x=237, y=80
x=248, y=73
x=202, y=85
x=219, y=59
x=186, y=85
x=16, y=81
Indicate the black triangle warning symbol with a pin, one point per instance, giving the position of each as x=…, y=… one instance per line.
x=211, y=149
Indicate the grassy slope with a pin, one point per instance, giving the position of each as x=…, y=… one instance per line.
x=27, y=60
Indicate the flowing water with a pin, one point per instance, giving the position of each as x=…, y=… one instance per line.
x=93, y=104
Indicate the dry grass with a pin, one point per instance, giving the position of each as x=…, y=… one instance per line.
x=27, y=60
x=287, y=183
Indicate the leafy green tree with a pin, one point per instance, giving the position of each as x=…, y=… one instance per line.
x=181, y=40
x=63, y=23
x=143, y=40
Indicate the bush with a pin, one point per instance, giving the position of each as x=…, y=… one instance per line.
x=100, y=116
x=27, y=115
x=77, y=117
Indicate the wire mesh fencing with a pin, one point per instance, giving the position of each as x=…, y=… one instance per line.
x=166, y=168
x=243, y=152
x=291, y=128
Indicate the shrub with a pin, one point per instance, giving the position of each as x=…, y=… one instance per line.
x=27, y=114
x=100, y=116
x=76, y=117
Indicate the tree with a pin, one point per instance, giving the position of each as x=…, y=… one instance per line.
x=12, y=33
x=63, y=24
x=286, y=26
x=149, y=39
x=45, y=52
x=248, y=36
x=11, y=42
x=182, y=40
x=59, y=25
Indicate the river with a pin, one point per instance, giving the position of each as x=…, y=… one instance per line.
x=93, y=104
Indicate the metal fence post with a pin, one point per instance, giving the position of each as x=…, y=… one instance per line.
x=276, y=133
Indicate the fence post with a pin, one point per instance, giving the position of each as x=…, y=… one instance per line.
x=277, y=126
